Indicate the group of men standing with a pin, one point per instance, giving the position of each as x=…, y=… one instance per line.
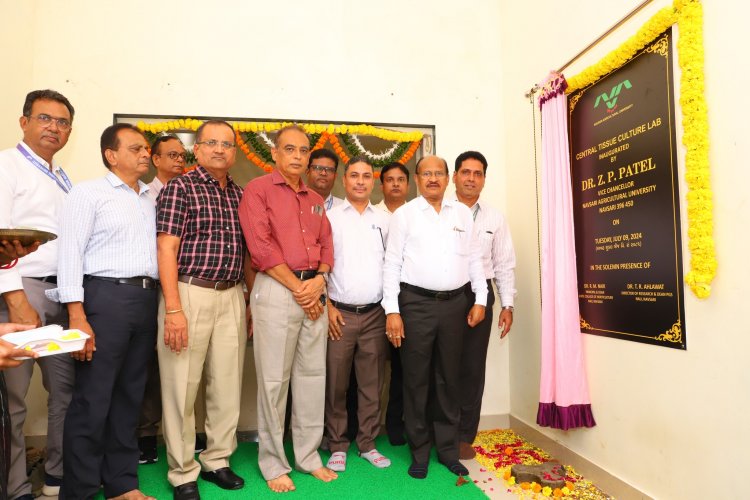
x=334, y=286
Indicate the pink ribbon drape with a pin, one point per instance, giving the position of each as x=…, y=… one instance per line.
x=564, y=396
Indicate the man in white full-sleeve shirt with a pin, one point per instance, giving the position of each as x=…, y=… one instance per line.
x=107, y=278
x=355, y=317
x=499, y=261
x=33, y=188
x=432, y=264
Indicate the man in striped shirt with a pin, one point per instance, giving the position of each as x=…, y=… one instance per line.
x=498, y=261
x=107, y=274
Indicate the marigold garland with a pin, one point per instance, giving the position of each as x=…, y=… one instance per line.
x=688, y=14
x=257, y=152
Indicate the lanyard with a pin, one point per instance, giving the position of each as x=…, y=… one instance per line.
x=329, y=204
x=66, y=187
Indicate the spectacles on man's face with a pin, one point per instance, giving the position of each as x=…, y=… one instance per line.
x=213, y=144
x=173, y=155
x=438, y=174
x=290, y=150
x=466, y=173
x=323, y=169
x=46, y=120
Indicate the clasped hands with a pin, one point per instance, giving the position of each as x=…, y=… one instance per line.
x=307, y=295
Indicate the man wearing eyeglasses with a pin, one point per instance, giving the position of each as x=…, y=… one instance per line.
x=111, y=294
x=33, y=188
x=432, y=264
x=289, y=238
x=498, y=262
x=168, y=158
x=202, y=324
x=321, y=175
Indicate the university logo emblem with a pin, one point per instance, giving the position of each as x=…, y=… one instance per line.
x=611, y=99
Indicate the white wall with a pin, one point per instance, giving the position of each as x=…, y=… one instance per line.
x=427, y=62
x=671, y=423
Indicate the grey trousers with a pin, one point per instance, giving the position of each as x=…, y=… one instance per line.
x=287, y=345
x=57, y=377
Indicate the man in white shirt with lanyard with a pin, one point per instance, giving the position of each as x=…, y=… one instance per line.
x=499, y=261
x=32, y=190
x=356, y=319
x=321, y=175
x=432, y=265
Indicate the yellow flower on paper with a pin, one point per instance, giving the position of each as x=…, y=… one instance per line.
x=512, y=481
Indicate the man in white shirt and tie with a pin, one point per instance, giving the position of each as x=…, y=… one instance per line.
x=33, y=188
x=498, y=261
x=355, y=316
x=432, y=264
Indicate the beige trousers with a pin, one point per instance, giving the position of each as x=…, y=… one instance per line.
x=217, y=337
x=287, y=345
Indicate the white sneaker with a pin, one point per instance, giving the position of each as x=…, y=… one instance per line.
x=375, y=458
x=337, y=462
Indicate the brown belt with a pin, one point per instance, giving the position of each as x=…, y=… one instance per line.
x=214, y=285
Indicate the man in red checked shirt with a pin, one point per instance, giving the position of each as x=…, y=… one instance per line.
x=289, y=238
x=202, y=312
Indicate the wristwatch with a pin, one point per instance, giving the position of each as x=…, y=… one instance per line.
x=325, y=276
x=510, y=308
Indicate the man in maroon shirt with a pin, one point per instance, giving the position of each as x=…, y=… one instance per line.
x=202, y=312
x=289, y=238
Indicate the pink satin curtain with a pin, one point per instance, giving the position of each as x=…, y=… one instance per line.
x=564, y=395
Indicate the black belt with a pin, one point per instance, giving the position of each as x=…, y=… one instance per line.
x=306, y=274
x=355, y=309
x=46, y=279
x=214, y=285
x=139, y=281
x=435, y=294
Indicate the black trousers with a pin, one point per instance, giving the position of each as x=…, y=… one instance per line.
x=473, y=367
x=431, y=356
x=394, y=414
x=100, y=446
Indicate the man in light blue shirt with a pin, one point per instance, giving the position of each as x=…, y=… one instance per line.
x=107, y=277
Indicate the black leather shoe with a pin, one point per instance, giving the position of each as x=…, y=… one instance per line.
x=224, y=478
x=187, y=491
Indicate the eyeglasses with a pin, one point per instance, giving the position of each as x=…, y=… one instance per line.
x=469, y=173
x=321, y=169
x=439, y=174
x=290, y=150
x=46, y=120
x=213, y=144
x=173, y=155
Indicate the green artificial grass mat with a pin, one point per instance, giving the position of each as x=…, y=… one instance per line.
x=360, y=480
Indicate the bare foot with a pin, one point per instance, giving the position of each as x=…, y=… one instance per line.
x=324, y=474
x=281, y=484
x=133, y=495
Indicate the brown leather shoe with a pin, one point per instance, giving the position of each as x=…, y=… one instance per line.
x=466, y=451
